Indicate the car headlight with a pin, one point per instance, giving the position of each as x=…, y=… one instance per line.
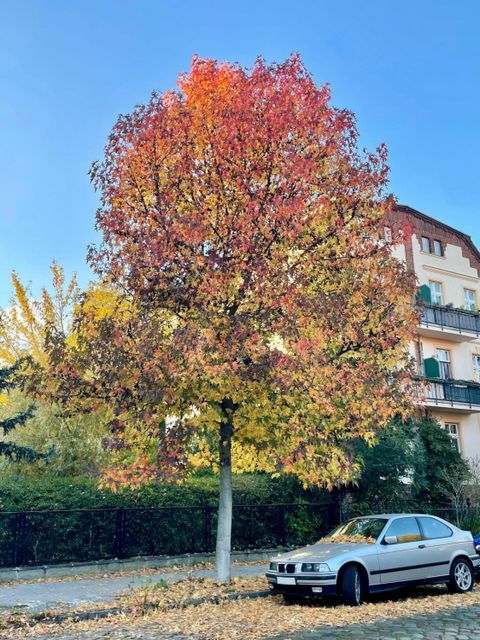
x=314, y=567
x=273, y=566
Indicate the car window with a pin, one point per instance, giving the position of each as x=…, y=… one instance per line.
x=406, y=530
x=360, y=528
x=434, y=529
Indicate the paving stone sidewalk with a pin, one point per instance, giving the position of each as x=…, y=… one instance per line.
x=36, y=596
x=451, y=624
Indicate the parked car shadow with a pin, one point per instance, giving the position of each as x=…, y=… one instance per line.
x=415, y=593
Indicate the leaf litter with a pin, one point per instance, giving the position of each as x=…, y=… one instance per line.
x=248, y=619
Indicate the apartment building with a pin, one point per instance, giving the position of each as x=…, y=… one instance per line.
x=447, y=348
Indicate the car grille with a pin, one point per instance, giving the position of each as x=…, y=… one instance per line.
x=286, y=568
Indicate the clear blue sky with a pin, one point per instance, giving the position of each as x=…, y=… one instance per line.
x=410, y=70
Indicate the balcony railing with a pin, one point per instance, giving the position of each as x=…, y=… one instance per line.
x=453, y=392
x=456, y=319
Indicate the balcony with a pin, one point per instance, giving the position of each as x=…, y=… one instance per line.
x=452, y=324
x=455, y=395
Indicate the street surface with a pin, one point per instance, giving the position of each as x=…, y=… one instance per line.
x=451, y=624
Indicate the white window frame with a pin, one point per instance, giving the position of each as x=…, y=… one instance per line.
x=387, y=235
x=445, y=364
x=428, y=243
x=470, y=304
x=438, y=244
x=453, y=430
x=476, y=366
x=436, y=300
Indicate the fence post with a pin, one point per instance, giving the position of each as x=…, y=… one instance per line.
x=281, y=524
x=332, y=516
x=120, y=533
x=19, y=534
x=207, y=528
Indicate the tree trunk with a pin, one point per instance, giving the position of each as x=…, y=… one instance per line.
x=224, y=529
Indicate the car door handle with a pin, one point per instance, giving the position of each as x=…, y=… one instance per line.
x=422, y=546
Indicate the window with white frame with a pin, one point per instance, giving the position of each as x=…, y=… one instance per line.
x=443, y=357
x=436, y=292
x=452, y=428
x=425, y=244
x=469, y=300
x=437, y=248
x=476, y=367
x=387, y=234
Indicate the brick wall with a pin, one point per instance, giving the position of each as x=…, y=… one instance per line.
x=423, y=225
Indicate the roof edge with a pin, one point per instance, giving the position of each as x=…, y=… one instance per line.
x=405, y=208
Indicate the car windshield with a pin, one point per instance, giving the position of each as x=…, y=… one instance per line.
x=363, y=530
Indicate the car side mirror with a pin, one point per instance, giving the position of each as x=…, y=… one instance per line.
x=390, y=540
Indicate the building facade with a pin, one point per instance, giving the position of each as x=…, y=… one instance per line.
x=447, y=348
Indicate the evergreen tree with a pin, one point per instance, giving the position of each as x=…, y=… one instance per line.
x=437, y=459
x=407, y=466
x=10, y=450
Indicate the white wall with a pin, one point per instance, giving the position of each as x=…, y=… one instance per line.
x=452, y=270
x=455, y=273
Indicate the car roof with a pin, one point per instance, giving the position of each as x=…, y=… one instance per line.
x=396, y=515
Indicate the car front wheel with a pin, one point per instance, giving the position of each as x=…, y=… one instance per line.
x=461, y=576
x=352, y=587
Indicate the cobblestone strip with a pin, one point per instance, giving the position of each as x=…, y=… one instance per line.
x=451, y=624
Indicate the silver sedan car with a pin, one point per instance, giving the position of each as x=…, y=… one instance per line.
x=378, y=553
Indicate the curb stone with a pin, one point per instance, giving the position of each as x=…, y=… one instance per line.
x=103, y=567
x=99, y=614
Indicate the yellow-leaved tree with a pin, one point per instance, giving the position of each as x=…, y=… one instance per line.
x=76, y=439
x=25, y=323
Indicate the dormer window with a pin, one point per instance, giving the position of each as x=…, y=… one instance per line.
x=437, y=248
x=425, y=243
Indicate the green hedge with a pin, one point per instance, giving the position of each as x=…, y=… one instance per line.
x=82, y=493
x=186, y=523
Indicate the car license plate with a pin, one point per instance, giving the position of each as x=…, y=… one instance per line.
x=282, y=580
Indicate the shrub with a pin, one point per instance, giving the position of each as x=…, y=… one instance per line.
x=20, y=494
x=406, y=468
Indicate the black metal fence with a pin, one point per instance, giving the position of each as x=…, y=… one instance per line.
x=77, y=535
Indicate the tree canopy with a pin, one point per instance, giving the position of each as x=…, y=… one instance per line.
x=253, y=303
x=25, y=323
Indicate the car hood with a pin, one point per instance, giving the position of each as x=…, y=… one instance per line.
x=321, y=551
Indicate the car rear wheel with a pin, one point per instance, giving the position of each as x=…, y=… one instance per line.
x=352, y=586
x=461, y=576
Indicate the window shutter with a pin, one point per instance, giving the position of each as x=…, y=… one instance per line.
x=424, y=295
x=432, y=368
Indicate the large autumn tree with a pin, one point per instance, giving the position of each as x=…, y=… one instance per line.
x=254, y=307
